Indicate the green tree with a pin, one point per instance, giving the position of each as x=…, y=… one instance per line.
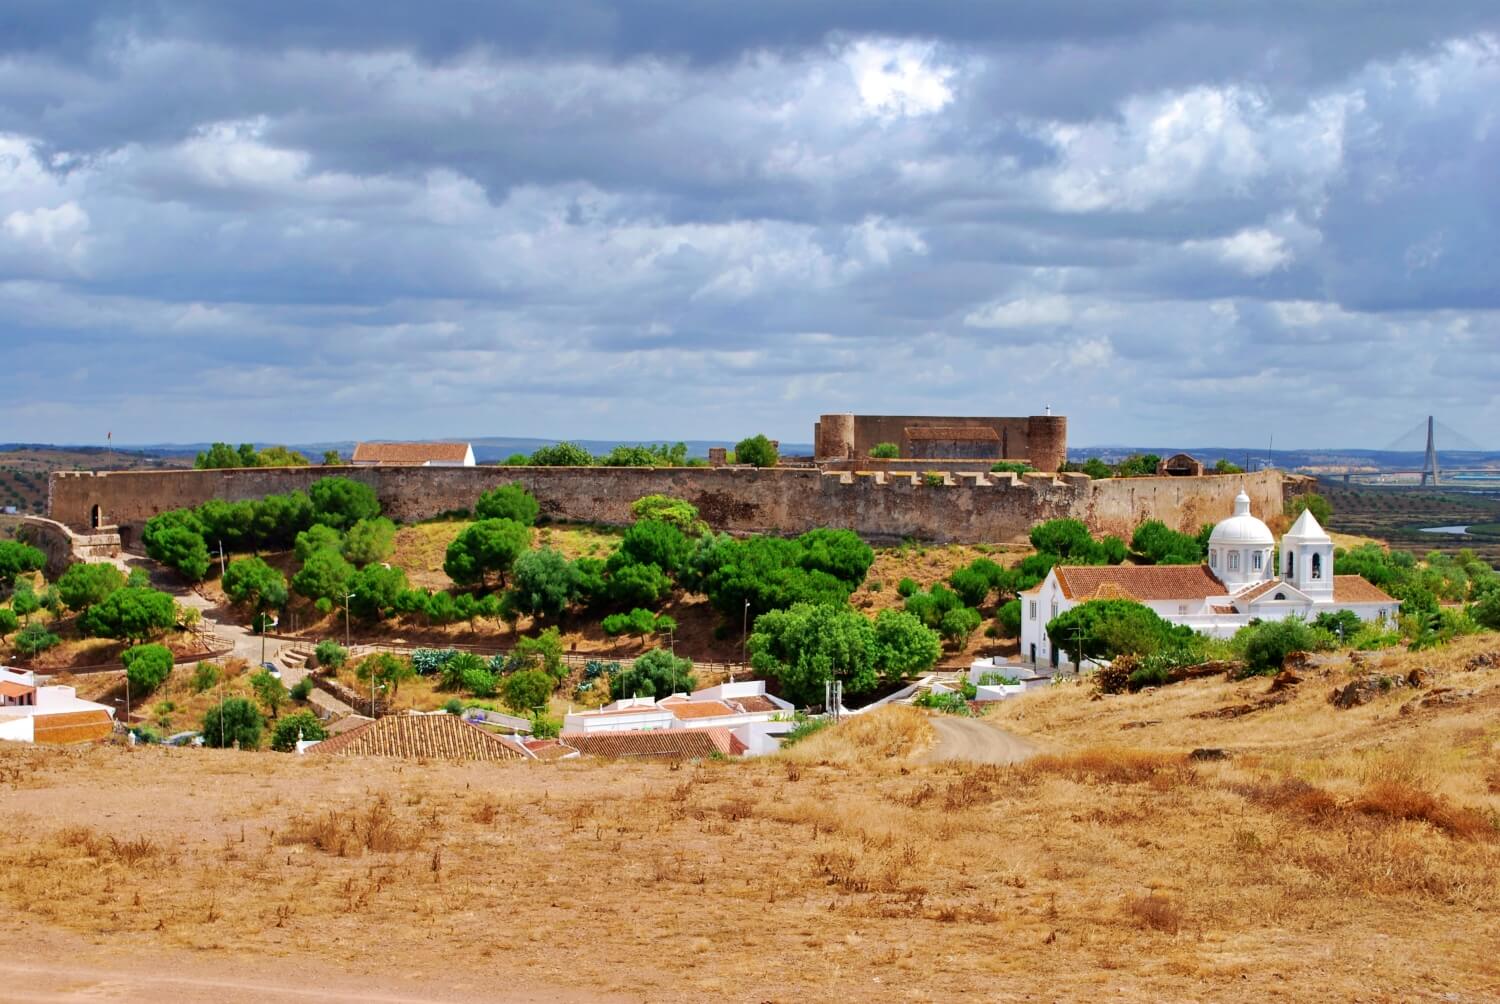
x=809, y=644
x=376, y=589
x=958, y=625
x=183, y=549
x=1104, y=629
x=389, y=671
x=1486, y=612
x=885, y=451
x=840, y=553
x=1139, y=465
x=325, y=573
x=1008, y=619
x=487, y=547
x=254, y=583
x=1340, y=624
x=34, y=639
x=340, y=502
x=561, y=455
x=24, y=601
x=640, y=622
x=318, y=538
x=1266, y=645
x=1321, y=509
x=221, y=455
x=1010, y=467
x=83, y=585
x=1097, y=469
x=526, y=690
x=299, y=725
x=1224, y=466
x=132, y=613
x=236, y=720
x=930, y=607
x=904, y=646
x=146, y=667
x=16, y=558
x=757, y=451
x=332, y=458
x=1154, y=542
x=370, y=540
x=666, y=509
x=544, y=652
x=205, y=676
x=657, y=673
x=330, y=654
x=512, y=502
x=653, y=542
x=638, y=585
x=8, y=622
x=652, y=455
x=279, y=456
x=543, y=582
x=766, y=572
x=269, y=690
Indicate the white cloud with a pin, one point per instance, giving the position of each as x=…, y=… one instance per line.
x=1029, y=312
x=1255, y=252
x=899, y=78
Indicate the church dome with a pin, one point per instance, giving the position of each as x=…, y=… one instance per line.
x=1242, y=529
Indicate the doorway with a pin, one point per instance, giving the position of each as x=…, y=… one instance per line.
x=95, y=518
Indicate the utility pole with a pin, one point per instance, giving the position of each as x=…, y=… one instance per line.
x=744, y=635
x=347, y=598
x=221, y=558
x=264, y=627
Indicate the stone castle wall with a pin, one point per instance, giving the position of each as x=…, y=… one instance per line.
x=967, y=507
x=1040, y=439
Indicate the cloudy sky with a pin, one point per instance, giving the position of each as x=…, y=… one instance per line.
x=1199, y=222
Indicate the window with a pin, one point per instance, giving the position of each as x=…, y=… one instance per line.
x=1234, y=561
x=1182, y=609
x=1213, y=558
x=1255, y=561
x=1291, y=563
x=1033, y=609
x=1054, y=610
x=1279, y=596
x=1317, y=566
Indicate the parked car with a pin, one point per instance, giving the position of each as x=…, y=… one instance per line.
x=272, y=668
x=183, y=739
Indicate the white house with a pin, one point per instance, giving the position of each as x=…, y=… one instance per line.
x=52, y=715
x=755, y=718
x=413, y=455
x=1239, y=583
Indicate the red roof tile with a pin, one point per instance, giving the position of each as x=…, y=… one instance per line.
x=1141, y=582
x=700, y=709
x=1358, y=589
x=431, y=737
x=410, y=453
x=72, y=727
x=755, y=703
x=672, y=744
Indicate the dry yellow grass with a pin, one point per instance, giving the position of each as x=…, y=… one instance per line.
x=1358, y=862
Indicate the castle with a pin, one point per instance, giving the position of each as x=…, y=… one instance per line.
x=1038, y=440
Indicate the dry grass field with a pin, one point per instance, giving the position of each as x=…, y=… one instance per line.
x=1337, y=855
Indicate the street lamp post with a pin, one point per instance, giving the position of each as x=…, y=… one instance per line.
x=744, y=634
x=264, y=627
x=347, y=597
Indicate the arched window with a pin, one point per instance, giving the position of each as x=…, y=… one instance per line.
x=1291, y=563
x=1279, y=596
x=1234, y=561
x=1255, y=561
x=1317, y=566
x=1213, y=558
x=95, y=519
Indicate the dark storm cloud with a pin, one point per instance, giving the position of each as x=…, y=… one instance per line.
x=306, y=221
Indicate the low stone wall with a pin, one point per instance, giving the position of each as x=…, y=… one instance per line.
x=64, y=547
x=968, y=506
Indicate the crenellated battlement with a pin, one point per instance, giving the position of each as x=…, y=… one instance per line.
x=880, y=505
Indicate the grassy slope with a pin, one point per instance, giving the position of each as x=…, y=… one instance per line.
x=841, y=868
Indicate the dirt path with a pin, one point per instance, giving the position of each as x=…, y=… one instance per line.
x=59, y=967
x=976, y=740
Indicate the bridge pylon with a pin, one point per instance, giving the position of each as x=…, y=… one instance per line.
x=1430, y=462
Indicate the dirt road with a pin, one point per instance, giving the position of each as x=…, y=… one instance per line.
x=977, y=740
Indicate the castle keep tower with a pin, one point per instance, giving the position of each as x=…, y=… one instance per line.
x=1041, y=440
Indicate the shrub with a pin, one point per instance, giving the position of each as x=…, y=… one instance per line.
x=951, y=703
x=1010, y=467
x=132, y=613
x=526, y=690
x=757, y=451
x=147, y=667
x=35, y=639
x=16, y=558
x=543, y=652
x=1104, y=629
x=563, y=454
x=236, y=720
x=958, y=625
x=545, y=727
x=666, y=509
x=805, y=727
x=317, y=538
x=426, y=661
x=269, y=690
x=299, y=724
x=511, y=502
x=453, y=706
x=1265, y=645
x=906, y=588
x=1008, y=619
x=331, y=655
x=8, y=621
x=656, y=673
x=885, y=451
x=370, y=540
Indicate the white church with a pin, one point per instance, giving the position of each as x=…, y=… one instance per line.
x=1238, y=584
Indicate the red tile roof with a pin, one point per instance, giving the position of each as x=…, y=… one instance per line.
x=410, y=453
x=430, y=737
x=1358, y=589
x=549, y=749
x=1141, y=582
x=72, y=727
x=1258, y=590
x=10, y=689
x=757, y=702
x=955, y=433
x=673, y=744
x=699, y=709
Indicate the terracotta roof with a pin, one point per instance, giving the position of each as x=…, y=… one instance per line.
x=1258, y=590
x=640, y=709
x=433, y=737
x=755, y=703
x=348, y=724
x=1358, y=589
x=1219, y=609
x=410, y=453
x=549, y=749
x=673, y=744
x=72, y=727
x=9, y=689
x=956, y=433
x=700, y=709
x=1141, y=582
